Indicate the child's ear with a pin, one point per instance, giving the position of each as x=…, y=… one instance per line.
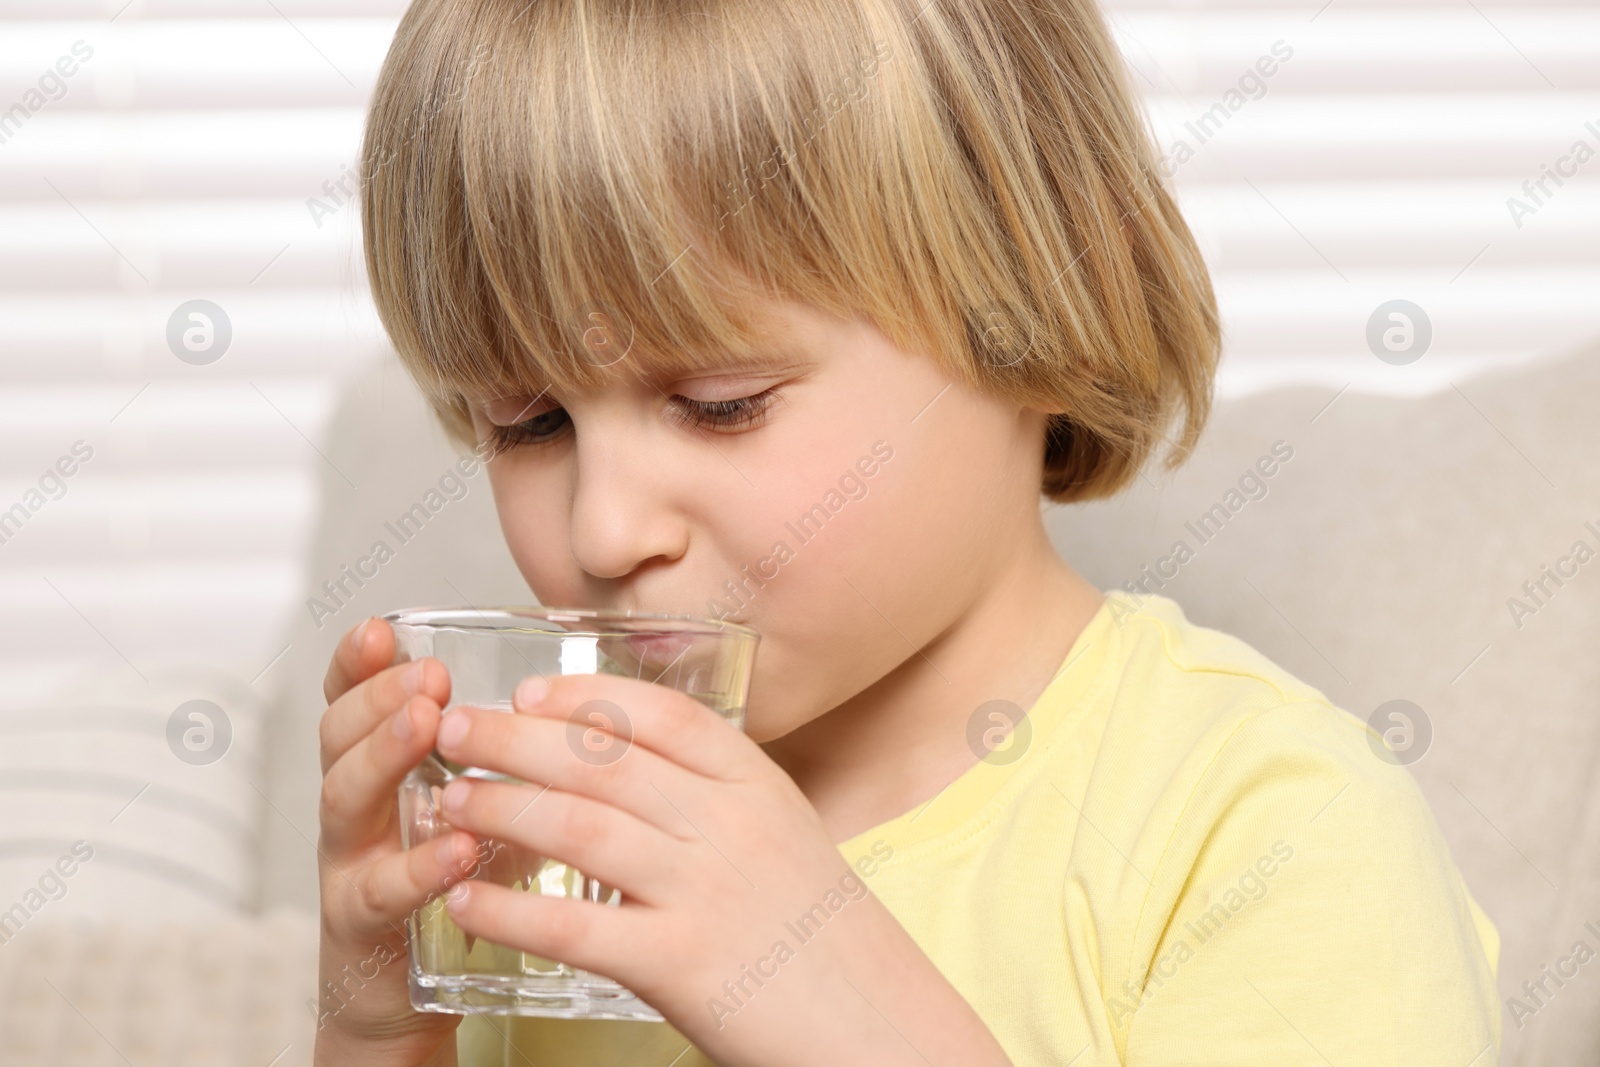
x=1042, y=422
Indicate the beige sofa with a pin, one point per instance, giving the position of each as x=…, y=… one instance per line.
x=1377, y=562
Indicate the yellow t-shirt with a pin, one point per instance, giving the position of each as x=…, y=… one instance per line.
x=1186, y=856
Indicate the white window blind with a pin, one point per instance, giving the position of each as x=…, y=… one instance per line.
x=1375, y=163
x=177, y=165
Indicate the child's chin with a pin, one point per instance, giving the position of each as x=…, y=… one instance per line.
x=761, y=732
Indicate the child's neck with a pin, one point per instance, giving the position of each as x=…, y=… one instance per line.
x=900, y=741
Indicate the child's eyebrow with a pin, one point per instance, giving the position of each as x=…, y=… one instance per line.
x=508, y=410
x=775, y=358
x=780, y=358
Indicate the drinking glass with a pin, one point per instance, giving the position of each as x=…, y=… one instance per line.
x=488, y=651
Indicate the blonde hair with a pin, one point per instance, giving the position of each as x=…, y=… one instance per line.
x=974, y=178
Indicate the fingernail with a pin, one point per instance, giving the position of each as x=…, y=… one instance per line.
x=361, y=635
x=402, y=724
x=453, y=729
x=455, y=795
x=531, y=691
x=456, y=898
x=411, y=680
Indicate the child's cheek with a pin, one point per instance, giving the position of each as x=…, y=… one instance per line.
x=823, y=550
x=533, y=518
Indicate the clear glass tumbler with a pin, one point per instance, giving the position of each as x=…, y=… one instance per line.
x=488, y=651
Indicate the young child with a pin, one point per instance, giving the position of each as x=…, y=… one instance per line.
x=791, y=313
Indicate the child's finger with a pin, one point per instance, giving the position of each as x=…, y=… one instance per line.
x=606, y=843
x=355, y=715
x=581, y=933
x=393, y=887
x=679, y=728
x=572, y=757
x=361, y=653
x=358, y=790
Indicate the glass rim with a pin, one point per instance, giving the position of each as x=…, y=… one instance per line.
x=462, y=618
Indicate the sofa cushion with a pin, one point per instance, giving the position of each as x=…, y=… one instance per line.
x=131, y=799
x=134, y=991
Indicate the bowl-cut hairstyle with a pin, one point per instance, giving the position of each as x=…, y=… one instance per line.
x=974, y=177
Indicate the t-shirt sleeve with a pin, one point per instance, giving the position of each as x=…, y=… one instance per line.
x=1306, y=911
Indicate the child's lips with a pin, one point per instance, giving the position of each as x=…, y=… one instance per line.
x=660, y=647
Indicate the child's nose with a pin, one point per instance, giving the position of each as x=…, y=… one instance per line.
x=624, y=508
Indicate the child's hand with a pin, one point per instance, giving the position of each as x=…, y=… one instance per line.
x=719, y=857
x=380, y=722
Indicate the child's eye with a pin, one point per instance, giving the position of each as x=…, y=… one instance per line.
x=541, y=428
x=739, y=413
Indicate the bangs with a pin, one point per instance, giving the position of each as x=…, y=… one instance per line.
x=557, y=192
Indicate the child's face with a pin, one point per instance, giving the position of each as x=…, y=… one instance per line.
x=858, y=518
